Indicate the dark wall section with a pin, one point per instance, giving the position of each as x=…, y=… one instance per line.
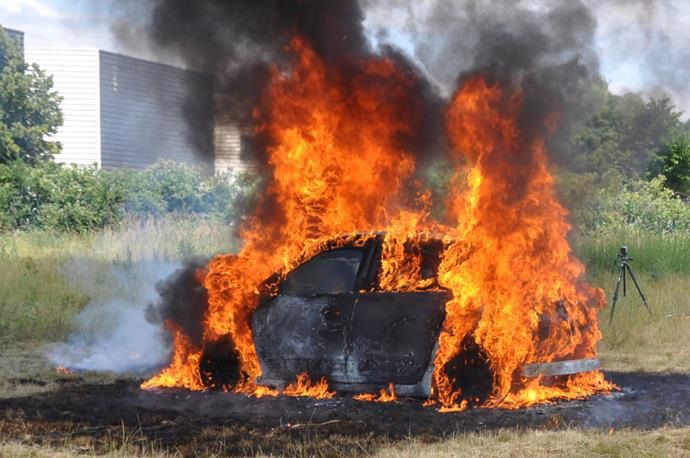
x=18, y=37
x=145, y=111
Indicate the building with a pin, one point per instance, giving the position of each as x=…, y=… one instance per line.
x=233, y=146
x=125, y=112
x=17, y=36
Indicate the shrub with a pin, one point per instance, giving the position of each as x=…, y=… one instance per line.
x=673, y=162
x=55, y=197
x=50, y=196
x=653, y=207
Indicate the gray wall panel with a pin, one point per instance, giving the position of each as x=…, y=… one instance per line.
x=142, y=113
x=18, y=37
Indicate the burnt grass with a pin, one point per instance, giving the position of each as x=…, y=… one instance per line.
x=213, y=422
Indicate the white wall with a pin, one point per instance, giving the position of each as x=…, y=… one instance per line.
x=229, y=154
x=76, y=78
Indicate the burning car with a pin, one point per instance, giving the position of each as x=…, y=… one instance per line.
x=495, y=311
x=329, y=317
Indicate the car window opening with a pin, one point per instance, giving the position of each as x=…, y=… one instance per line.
x=331, y=272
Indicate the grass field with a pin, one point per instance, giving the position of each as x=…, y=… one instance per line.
x=637, y=341
x=665, y=442
x=48, y=278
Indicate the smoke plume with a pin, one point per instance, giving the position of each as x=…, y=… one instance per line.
x=113, y=333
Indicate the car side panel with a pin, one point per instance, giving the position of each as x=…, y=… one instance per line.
x=393, y=334
x=303, y=334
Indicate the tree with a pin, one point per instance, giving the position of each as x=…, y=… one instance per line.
x=29, y=107
x=673, y=162
x=624, y=135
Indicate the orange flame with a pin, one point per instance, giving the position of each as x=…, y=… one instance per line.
x=517, y=289
x=183, y=371
x=383, y=395
x=338, y=167
x=303, y=387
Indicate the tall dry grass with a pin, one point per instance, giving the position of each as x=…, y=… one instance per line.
x=41, y=291
x=664, y=442
x=637, y=341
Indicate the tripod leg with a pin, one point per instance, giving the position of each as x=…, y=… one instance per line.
x=639, y=290
x=625, y=283
x=621, y=272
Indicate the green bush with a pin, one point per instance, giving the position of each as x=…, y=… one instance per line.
x=651, y=220
x=54, y=197
x=50, y=196
x=653, y=207
x=673, y=162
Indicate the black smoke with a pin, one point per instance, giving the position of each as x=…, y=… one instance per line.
x=183, y=300
x=236, y=43
x=544, y=49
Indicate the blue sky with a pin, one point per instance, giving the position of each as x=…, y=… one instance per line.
x=643, y=45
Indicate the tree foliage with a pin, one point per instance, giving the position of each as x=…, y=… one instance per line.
x=51, y=196
x=673, y=162
x=624, y=135
x=29, y=107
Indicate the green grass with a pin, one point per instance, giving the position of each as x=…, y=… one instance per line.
x=661, y=262
x=47, y=278
x=652, y=253
x=637, y=341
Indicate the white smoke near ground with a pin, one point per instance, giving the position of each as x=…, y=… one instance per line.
x=112, y=333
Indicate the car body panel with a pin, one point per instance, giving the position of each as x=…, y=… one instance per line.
x=357, y=339
x=393, y=334
x=329, y=318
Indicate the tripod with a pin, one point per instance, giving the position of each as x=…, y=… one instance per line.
x=623, y=263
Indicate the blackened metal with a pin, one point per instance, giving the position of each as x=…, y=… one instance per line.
x=393, y=334
x=303, y=334
x=358, y=340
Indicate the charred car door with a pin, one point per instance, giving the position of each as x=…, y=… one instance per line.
x=304, y=329
x=393, y=334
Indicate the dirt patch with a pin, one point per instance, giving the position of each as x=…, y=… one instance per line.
x=187, y=421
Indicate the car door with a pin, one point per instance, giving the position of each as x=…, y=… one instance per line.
x=393, y=333
x=304, y=329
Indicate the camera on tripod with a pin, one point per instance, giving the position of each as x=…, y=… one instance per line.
x=624, y=269
x=623, y=254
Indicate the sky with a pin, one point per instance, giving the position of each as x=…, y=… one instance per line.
x=643, y=45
